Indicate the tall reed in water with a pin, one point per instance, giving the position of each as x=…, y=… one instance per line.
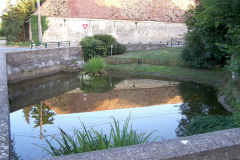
x=87, y=141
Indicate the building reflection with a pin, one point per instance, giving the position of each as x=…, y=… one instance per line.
x=125, y=94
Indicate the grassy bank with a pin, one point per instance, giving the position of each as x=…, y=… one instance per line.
x=205, y=76
x=170, y=53
x=2, y=38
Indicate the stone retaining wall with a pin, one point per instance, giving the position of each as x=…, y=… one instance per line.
x=114, y=61
x=33, y=63
x=4, y=112
x=143, y=47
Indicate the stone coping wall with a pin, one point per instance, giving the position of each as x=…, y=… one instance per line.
x=33, y=63
x=220, y=145
x=4, y=111
x=115, y=61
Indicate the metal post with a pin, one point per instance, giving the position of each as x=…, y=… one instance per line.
x=171, y=41
x=58, y=44
x=110, y=81
x=45, y=45
x=178, y=42
x=111, y=48
x=167, y=43
x=69, y=43
x=40, y=119
x=31, y=45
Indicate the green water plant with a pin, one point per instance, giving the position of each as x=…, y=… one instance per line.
x=92, y=140
x=210, y=123
x=94, y=65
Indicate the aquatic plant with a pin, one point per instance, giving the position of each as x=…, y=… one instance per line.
x=210, y=123
x=87, y=141
x=94, y=65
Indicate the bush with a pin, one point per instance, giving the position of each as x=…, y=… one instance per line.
x=94, y=65
x=193, y=54
x=118, y=48
x=100, y=45
x=92, y=48
x=1, y=32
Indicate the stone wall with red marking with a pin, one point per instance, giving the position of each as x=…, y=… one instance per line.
x=125, y=31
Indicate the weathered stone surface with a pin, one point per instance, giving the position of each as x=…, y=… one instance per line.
x=71, y=29
x=34, y=63
x=4, y=111
x=221, y=145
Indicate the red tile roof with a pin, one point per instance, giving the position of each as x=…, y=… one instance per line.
x=139, y=10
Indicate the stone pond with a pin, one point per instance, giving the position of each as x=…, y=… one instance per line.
x=154, y=103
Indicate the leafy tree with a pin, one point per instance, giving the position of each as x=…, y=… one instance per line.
x=217, y=23
x=15, y=19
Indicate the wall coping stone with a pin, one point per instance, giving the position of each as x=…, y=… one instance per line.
x=4, y=111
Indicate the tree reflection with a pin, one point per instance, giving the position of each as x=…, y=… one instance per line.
x=198, y=100
x=26, y=111
x=47, y=114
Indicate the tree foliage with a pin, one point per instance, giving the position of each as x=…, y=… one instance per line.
x=217, y=26
x=14, y=20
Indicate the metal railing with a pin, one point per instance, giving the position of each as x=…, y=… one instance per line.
x=50, y=44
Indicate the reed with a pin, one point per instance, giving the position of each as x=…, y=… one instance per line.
x=92, y=140
x=210, y=123
x=94, y=65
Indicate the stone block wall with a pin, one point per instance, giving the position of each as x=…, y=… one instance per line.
x=125, y=31
x=33, y=63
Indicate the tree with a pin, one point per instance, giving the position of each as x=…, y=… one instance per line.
x=217, y=24
x=14, y=20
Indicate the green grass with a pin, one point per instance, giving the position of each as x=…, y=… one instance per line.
x=87, y=141
x=170, y=53
x=94, y=65
x=209, y=123
x=205, y=76
x=2, y=38
x=20, y=44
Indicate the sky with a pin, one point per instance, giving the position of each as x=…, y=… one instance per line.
x=3, y=4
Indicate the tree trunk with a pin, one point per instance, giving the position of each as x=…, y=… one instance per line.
x=39, y=24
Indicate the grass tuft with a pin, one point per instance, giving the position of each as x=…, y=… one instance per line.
x=94, y=65
x=87, y=141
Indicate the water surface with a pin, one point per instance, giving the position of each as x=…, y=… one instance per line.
x=154, y=103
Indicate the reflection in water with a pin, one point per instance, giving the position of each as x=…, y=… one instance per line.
x=42, y=114
x=198, y=100
x=107, y=93
x=166, y=106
